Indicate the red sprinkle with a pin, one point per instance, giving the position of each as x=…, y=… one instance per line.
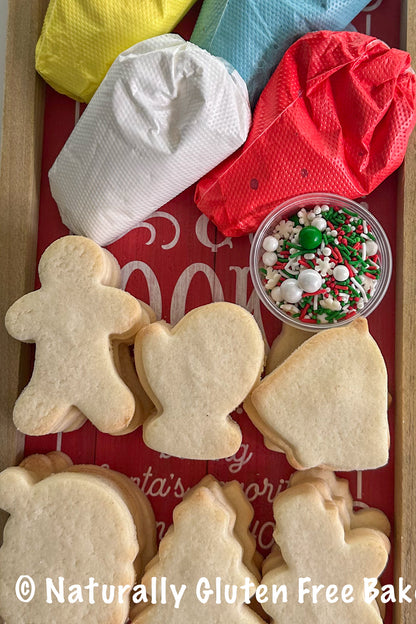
x=309, y=320
x=351, y=272
x=304, y=310
x=370, y=275
x=317, y=292
x=349, y=315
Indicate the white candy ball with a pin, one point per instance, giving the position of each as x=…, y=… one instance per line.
x=326, y=251
x=320, y=223
x=276, y=295
x=270, y=243
x=341, y=273
x=269, y=258
x=290, y=291
x=371, y=247
x=309, y=280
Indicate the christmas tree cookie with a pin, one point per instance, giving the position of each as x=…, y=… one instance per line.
x=201, y=544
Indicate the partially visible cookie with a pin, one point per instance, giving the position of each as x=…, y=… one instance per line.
x=200, y=545
x=289, y=339
x=74, y=526
x=316, y=547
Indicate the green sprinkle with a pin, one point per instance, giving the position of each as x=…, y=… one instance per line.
x=293, y=246
x=349, y=212
x=295, y=220
x=287, y=273
x=263, y=271
x=311, y=264
x=370, y=235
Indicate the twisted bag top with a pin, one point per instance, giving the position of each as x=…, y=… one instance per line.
x=335, y=116
x=81, y=38
x=166, y=113
x=253, y=35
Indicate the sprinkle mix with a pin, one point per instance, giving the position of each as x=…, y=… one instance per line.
x=321, y=265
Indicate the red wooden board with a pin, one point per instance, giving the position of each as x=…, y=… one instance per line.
x=175, y=261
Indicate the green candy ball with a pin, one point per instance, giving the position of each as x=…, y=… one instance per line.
x=310, y=237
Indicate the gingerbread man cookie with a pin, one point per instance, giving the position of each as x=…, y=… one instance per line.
x=72, y=319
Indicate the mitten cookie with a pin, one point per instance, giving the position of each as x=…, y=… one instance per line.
x=200, y=545
x=327, y=403
x=196, y=374
x=67, y=525
x=72, y=319
x=316, y=547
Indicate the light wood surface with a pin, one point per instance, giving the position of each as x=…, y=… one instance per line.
x=405, y=430
x=19, y=199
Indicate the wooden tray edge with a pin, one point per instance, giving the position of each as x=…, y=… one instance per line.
x=19, y=200
x=405, y=394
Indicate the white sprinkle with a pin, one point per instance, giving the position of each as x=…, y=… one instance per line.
x=360, y=305
x=309, y=256
x=315, y=302
x=324, y=208
x=364, y=251
x=364, y=236
x=360, y=289
x=365, y=228
x=373, y=263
